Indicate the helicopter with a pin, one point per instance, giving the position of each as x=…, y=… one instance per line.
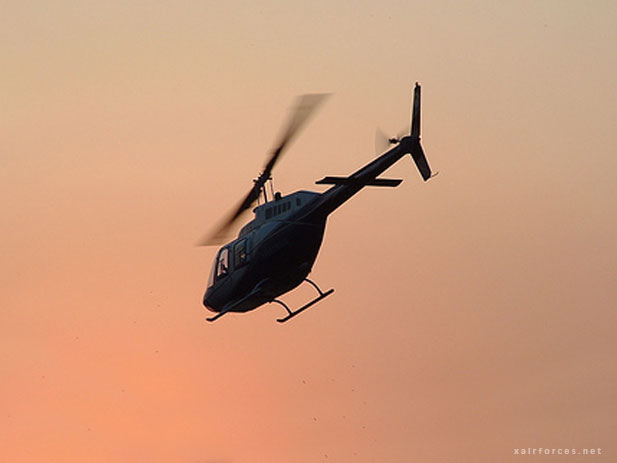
x=275, y=252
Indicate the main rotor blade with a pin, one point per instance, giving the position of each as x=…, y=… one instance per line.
x=305, y=106
x=222, y=231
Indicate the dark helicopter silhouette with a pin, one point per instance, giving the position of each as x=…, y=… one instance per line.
x=275, y=252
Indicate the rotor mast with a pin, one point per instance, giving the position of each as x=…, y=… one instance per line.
x=264, y=190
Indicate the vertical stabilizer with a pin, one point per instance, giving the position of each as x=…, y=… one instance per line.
x=415, y=117
x=417, y=153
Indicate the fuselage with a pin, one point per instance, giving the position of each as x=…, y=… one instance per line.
x=272, y=254
x=276, y=251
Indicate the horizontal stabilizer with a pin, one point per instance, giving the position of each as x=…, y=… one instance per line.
x=389, y=182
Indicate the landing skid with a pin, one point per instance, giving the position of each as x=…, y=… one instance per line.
x=217, y=316
x=292, y=314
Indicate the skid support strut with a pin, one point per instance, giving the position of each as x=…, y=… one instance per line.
x=291, y=313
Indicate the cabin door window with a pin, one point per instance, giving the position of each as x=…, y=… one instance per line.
x=240, y=255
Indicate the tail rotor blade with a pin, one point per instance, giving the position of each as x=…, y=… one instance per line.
x=382, y=142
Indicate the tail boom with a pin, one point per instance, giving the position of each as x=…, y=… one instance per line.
x=345, y=187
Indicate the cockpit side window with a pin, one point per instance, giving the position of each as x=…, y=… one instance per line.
x=222, y=265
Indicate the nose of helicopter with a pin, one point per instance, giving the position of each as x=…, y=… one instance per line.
x=207, y=301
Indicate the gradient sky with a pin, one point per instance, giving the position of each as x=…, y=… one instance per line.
x=473, y=314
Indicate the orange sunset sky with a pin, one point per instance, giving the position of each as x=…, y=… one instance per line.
x=473, y=315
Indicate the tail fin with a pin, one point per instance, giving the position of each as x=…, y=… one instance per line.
x=415, y=117
x=417, y=153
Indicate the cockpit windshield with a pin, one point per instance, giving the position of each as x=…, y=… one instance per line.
x=220, y=266
x=212, y=272
x=223, y=263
